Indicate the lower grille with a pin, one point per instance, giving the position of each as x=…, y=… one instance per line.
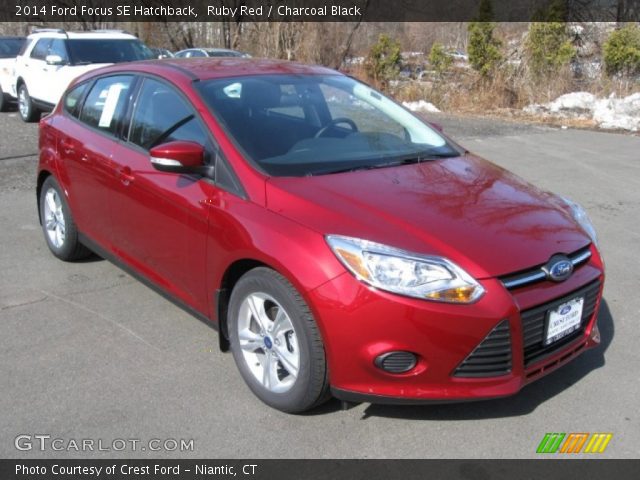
x=491, y=358
x=534, y=321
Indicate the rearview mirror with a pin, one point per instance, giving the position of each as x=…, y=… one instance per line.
x=54, y=60
x=179, y=157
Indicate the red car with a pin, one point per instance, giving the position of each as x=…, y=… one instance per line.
x=341, y=245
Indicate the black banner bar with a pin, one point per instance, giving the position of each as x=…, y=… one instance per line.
x=546, y=469
x=34, y=11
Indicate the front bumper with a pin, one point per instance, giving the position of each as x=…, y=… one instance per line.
x=359, y=323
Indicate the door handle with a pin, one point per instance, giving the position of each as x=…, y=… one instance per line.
x=67, y=148
x=126, y=176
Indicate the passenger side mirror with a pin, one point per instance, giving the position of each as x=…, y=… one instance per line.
x=180, y=157
x=54, y=60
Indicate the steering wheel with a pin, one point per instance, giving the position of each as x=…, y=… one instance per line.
x=333, y=123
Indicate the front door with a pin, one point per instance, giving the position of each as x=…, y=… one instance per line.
x=160, y=219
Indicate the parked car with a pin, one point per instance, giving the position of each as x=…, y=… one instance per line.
x=458, y=55
x=161, y=53
x=339, y=243
x=210, y=52
x=54, y=57
x=9, y=49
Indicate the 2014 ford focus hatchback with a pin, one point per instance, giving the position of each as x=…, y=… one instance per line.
x=339, y=244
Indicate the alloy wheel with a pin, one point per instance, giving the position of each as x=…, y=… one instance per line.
x=54, y=218
x=268, y=341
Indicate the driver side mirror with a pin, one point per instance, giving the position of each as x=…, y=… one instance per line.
x=180, y=157
x=54, y=60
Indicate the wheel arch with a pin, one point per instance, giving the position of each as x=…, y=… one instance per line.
x=232, y=274
x=42, y=177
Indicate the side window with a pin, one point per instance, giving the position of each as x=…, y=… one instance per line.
x=106, y=103
x=161, y=116
x=39, y=52
x=196, y=53
x=72, y=99
x=57, y=47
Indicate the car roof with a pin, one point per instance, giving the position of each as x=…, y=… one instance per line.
x=94, y=35
x=207, y=68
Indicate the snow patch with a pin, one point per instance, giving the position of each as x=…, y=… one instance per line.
x=421, y=106
x=608, y=113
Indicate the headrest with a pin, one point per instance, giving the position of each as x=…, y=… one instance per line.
x=260, y=94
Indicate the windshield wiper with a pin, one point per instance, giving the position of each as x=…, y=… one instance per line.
x=408, y=160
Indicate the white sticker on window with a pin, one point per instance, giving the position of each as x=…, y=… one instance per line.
x=113, y=94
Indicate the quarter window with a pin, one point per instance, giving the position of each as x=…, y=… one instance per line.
x=72, y=99
x=106, y=103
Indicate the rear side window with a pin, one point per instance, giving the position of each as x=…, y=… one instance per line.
x=39, y=52
x=106, y=103
x=73, y=98
x=161, y=116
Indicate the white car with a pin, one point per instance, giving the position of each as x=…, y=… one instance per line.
x=54, y=57
x=9, y=49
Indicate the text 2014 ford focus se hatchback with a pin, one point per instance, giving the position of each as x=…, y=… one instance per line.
x=340, y=244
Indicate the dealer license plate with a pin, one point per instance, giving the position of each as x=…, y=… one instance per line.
x=563, y=320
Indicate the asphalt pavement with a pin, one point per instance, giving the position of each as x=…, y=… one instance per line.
x=89, y=353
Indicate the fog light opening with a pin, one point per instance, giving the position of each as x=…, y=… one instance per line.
x=396, y=362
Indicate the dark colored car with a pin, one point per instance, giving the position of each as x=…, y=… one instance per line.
x=339, y=243
x=9, y=49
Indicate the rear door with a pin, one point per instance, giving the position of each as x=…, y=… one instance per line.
x=87, y=145
x=160, y=219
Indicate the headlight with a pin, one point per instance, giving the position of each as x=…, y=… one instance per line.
x=397, y=271
x=580, y=215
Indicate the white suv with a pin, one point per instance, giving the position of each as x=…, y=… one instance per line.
x=54, y=57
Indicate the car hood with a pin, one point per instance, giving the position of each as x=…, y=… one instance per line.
x=486, y=219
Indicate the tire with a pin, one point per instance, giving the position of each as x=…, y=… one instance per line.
x=4, y=101
x=277, y=304
x=60, y=231
x=28, y=111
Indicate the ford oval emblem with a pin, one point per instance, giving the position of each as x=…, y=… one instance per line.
x=559, y=268
x=566, y=309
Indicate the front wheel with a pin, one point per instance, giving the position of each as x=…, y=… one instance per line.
x=275, y=342
x=28, y=111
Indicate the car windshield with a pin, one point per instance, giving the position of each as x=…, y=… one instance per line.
x=10, y=47
x=300, y=125
x=85, y=51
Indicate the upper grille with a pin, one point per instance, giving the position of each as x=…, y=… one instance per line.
x=534, y=321
x=536, y=274
x=492, y=357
